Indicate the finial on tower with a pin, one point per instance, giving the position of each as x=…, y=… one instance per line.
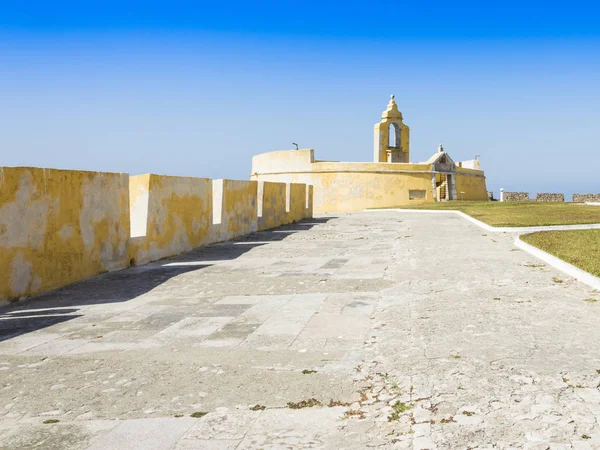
x=392, y=109
x=440, y=149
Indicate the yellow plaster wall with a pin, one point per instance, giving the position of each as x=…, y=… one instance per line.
x=281, y=161
x=272, y=198
x=176, y=212
x=355, y=191
x=239, y=213
x=472, y=183
x=354, y=186
x=59, y=226
x=310, y=191
x=297, y=203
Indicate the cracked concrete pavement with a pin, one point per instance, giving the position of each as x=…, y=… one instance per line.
x=366, y=330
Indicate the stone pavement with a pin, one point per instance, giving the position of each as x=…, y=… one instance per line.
x=367, y=330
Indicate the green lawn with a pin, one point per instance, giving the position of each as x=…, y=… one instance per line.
x=578, y=247
x=526, y=214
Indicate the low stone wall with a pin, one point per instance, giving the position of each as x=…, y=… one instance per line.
x=546, y=197
x=516, y=196
x=582, y=198
x=61, y=226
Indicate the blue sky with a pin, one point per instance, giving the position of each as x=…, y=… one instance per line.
x=196, y=88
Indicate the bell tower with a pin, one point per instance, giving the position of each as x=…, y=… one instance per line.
x=391, y=136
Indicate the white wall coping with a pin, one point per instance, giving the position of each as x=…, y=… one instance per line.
x=557, y=263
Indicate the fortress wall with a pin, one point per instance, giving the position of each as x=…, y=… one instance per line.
x=169, y=215
x=62, y=226
x=308, y=212
x=348, y=191
x=272, y=205
x=354, y=186
x=283, y=161
x=59, y=226
x=237, y=202
x=297, y=203
x=283, y=203
x=474, y=187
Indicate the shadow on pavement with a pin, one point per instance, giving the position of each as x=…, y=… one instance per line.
x=61, y=305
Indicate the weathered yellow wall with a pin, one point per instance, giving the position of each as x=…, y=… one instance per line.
x=310, y=190
x=355, y=186
x=238, y=206
x=272, y=198
x=176, y=212
x=355, y=191
x=59, y=226
x=281, y=161
x=472, y=183
x=297, y=203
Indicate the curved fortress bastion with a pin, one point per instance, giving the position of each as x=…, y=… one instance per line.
x=387, y=182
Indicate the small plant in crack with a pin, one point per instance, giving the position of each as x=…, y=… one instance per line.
x=468, y=413
x=455, y=356
x=557, y=280
x=198, y=414
x=448, y=420
x=497, y=298
x=398, y=409
x=355, y=412
x=590, y=300
x=308, y=371
x=257, y=407
x=333, y=403
x=47, y=421
x=585, y=436
x=311, y=402
x=178, y=416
